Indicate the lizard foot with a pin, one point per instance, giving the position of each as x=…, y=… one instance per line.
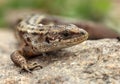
x=21, y=61
x=30, y=67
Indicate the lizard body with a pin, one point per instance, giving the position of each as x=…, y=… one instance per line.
x=37, y=38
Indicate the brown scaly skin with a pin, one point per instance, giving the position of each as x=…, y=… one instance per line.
x=37, y=38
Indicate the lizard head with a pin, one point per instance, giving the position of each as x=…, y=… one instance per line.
x=44, y=38
x=65, y=36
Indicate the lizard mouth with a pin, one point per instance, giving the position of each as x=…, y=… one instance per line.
x=78, y=39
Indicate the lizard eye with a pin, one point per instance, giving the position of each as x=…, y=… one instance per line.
x=66, y=34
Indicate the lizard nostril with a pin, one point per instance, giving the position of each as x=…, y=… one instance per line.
x=82, y=33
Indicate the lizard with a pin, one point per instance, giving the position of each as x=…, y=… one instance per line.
x=36, y=38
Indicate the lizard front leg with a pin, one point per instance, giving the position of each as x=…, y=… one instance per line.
x=18, y=57
x=19, y=60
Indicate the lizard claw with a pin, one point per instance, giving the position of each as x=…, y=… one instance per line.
x=26, y=68
x=30, y=67
x=34, y=65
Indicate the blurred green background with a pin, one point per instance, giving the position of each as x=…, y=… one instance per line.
x=95, y=10
x=92, y=10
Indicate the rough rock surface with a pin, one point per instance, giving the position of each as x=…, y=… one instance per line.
x=91, y=62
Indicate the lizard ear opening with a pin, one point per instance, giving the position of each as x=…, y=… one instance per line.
x=47, y=40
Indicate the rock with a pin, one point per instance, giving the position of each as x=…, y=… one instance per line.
x=91, y=62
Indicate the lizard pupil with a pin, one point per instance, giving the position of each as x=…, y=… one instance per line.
x=66, y=34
